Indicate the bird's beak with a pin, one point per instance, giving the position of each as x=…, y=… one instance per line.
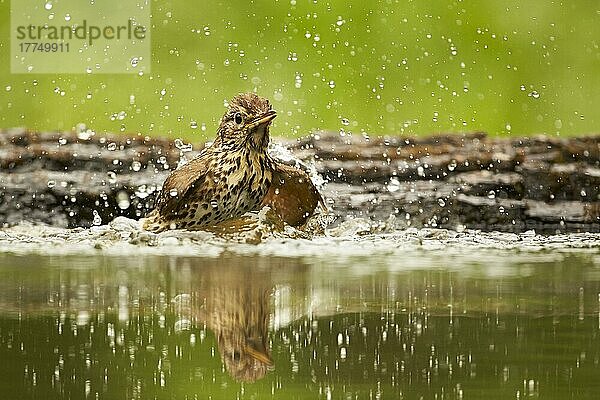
x=263, y=119
x=259, y=355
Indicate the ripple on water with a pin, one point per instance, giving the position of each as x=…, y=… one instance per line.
x=263, y=234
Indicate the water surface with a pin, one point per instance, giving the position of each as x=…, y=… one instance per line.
x=504, y=324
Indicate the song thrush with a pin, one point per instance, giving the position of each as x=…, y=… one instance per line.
x=236, y=305
x=233, y=176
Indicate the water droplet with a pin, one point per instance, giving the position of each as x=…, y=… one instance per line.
x=194, y=125
x=48, y=6
x=393, y=185
x=135, y=61
x=452, y=165
x=534, y=94
x=112, y=146
x=143, y=191
x=491, y=194
x=421, y=171
x=163, y=92
x=8, y=88
x=51, y=183
x=277, y=96
x=345, y=121
x=332, y=84
x=441, y=202
x=184, y=148
x=97, y=220
x=67, y=17
x=173, y=192
x=298, y=81
x=123, y=200
x=583, y=193
x=214, y=204
x=136, y=166
x=112, y=177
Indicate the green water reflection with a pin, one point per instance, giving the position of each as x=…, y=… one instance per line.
x=170, y=328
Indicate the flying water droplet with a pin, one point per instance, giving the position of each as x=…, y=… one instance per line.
x=112, y=146
x=184, y=148
x=491, y=194
x=214, y=204
x=393, y=185
x=173, y=192
x=143, y=191
x=441, y=202
x=136, y=166
x=97, y=221
x=51, y=183
x=112, y=177
x=123, y=200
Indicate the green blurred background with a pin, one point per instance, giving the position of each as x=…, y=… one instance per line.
x=376, y=67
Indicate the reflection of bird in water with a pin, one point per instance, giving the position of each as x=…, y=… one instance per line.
x=237, y=310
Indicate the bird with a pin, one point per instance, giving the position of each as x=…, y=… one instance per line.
x=234, y=175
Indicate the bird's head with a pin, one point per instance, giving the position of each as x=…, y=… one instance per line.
x=246, y=122
x=247, y=358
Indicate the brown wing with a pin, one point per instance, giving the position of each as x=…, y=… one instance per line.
x=187, y=184
x=292, y=194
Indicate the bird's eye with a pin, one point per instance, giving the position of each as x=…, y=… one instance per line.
x=236, y=356
x=238, y=118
